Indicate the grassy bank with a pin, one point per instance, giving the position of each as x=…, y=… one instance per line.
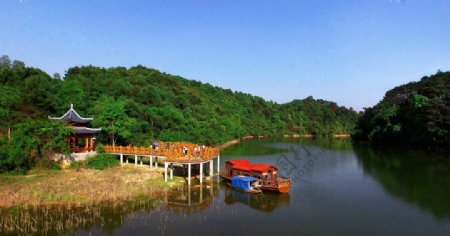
x=82, y=186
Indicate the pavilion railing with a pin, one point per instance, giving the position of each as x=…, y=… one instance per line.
x=173, y=151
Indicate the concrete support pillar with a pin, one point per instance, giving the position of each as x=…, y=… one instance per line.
x=121, y=159
x=218, y=168
x=211, y=168
x=171, y=171
x=189, y=178
x=165, y=171
x=127, y=159
x=201, y=172
x=151, y=162
x=218, y=164
x=156, y=163
x=141, y=161
x=135, y=160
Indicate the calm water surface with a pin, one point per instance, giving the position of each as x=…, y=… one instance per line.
x=337, y=189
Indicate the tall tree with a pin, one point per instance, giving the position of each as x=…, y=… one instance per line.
x=113, y=120
x=8, y=104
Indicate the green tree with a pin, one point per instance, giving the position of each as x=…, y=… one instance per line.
x=31, y=141
x=9, y=102
x=113, y=120
x=416, y=113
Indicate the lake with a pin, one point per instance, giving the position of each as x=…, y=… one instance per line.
x=337, y=189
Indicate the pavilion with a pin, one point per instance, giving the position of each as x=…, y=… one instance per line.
x=82, y=138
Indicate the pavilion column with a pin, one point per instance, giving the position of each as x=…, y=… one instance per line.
x=189, y=174
x=92, y=143
x=87, y=143
x=201, y=172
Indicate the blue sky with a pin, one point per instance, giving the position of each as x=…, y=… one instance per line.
x=350, y=52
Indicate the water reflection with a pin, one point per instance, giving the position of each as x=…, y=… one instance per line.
x=191, y=199
x=266, y=202
x=269, y=146
x=106, y=218
x=68, y=220
x=418, y=177
x=340, y=191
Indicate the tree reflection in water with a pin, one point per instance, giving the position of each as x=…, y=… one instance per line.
x=413, y=175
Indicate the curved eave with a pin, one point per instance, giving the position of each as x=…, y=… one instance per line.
x=71, y=115
x=84, y=130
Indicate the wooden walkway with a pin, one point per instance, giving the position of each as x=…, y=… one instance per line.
x=187, y=154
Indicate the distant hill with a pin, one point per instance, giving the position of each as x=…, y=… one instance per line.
x=158, y=105
x=417, y=113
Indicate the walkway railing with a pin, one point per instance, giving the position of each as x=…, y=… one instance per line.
x=178, y=151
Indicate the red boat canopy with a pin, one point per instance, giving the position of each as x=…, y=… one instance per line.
x=247, y=166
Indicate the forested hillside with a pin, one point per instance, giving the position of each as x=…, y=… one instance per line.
x=417, y=113
x=138, y=104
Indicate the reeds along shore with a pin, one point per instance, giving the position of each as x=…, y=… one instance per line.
x=80, y=187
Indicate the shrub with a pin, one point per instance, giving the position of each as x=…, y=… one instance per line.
x=45, y=164
x=102, y=161
x=77, y=165
x=100, y=149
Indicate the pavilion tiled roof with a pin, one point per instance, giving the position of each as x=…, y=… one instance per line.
x=72, y=115
x=85, y=130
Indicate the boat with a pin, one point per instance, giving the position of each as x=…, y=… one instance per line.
x=246, y=183
x=267, y=174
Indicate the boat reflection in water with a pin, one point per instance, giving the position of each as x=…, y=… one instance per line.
x=266, y=202
x=193, y=199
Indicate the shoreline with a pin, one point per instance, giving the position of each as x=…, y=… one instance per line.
x=84, y=187
x=238, y=140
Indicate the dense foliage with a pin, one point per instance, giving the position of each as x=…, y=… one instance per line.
x=139, y=104
x=102, y=161
x=417, y=113
x=30, y=142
